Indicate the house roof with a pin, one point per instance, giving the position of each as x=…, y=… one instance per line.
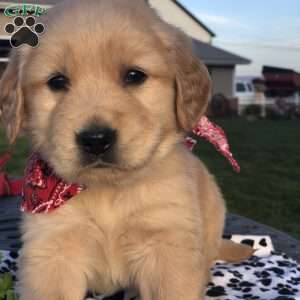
x=182, y=7
x=215, y=56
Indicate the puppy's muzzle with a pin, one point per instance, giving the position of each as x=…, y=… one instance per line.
x=97, y=143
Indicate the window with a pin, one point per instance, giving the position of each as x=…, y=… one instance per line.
x=240, y=87
x=250, y=87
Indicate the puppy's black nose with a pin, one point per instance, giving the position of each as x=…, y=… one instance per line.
x=97, y=140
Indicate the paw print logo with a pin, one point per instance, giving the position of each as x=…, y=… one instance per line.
x=24, y=31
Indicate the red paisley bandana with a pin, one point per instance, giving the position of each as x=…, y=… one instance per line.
x=43, y=190
x=216, y=136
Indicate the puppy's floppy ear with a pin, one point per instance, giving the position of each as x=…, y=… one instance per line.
x=193, y=83
x=11, y=98
x=193, y=86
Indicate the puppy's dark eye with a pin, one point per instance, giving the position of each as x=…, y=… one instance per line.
x=58, y=82
x=134, y=77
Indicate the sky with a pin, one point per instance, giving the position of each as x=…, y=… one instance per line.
x=265, y=31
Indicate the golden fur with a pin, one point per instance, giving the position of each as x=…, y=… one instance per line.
x=154, y=220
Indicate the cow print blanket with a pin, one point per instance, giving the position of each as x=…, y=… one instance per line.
x=267, y=275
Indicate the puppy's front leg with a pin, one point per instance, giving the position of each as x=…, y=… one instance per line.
x=49, y=278
x=56, y=265
x=173, y=271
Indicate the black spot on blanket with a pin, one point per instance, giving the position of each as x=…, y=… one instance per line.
x=263, y=242
x=218, y=274
x=277, y=271
x=246, y=284
x=13, y=254
x=285, y=291
x=266, y=281
x=248, y=242
x=286, y=263
x=265, y=274
x=216, y=291
x=295, y=280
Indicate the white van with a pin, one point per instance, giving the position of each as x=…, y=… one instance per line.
x=244, y=90
x=246, y=93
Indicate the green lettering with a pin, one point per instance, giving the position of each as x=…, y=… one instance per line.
x=40, y=11
x=24, y=10
x=12, y=11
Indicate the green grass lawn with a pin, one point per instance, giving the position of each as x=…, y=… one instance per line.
x=268, y=187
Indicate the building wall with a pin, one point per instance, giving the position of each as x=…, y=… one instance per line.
x=172, y=14
x=223, y=80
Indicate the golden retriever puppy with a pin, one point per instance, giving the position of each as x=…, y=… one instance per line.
x=106, y=99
